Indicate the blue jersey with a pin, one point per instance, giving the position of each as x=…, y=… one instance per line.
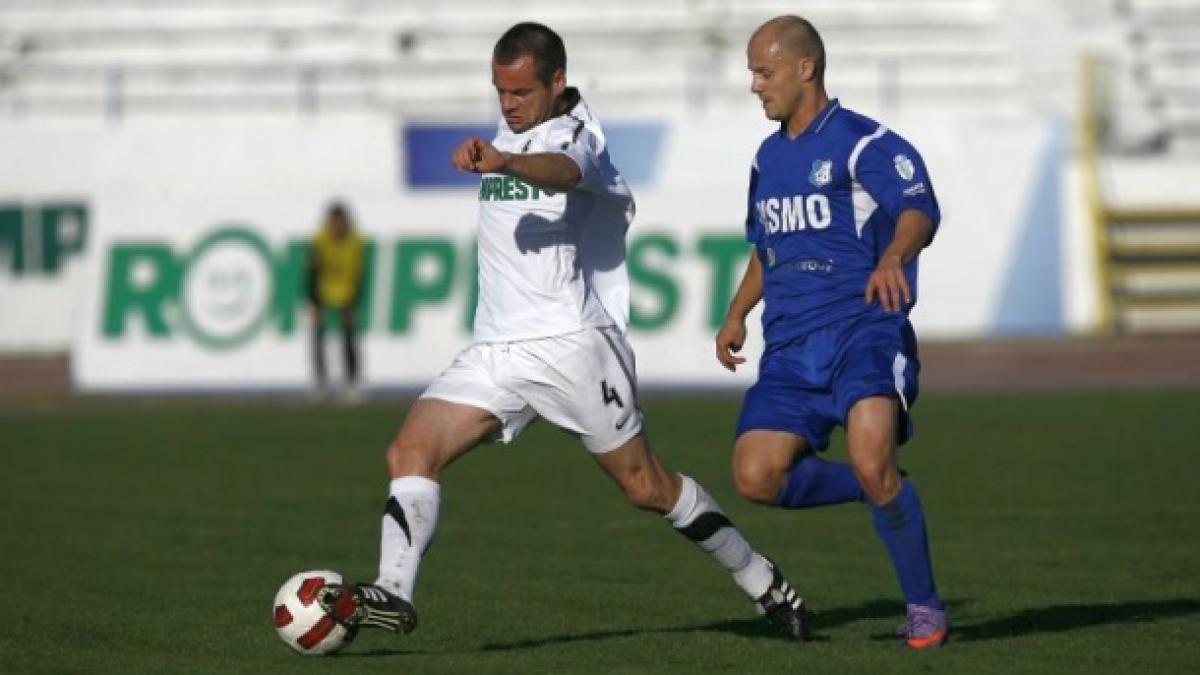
x=822, y=209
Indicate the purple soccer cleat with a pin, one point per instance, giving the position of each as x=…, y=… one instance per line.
x=924, y=627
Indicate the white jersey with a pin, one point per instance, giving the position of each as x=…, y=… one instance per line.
x=553, y=263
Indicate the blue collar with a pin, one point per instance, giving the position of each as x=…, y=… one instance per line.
x=818, y=122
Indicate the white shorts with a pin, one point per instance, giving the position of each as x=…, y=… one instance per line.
x=583, y=382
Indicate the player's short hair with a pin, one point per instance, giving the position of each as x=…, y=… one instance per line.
x=536, y=41
x=798, y=36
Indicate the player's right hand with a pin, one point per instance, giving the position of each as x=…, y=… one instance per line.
x=730, y=340
x=478, y=156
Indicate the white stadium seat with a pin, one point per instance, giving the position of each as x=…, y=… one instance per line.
x=984, y=57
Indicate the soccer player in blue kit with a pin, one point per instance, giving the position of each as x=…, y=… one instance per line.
x=839, y=208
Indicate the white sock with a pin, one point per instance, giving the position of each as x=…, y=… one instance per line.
x=408, y=526
x=697, y=517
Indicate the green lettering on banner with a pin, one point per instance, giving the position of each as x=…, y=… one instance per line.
x=472, y=281
x=38, y=238
x=507, y=195
x=291, y=285
x=725, y=254
x=224, y=296
x=362, y=316
x=64, y=232
x=522, y=190
x=12, y=238
x=126, y=295
x=409, y=290
x=188, y=291
x=642, y=273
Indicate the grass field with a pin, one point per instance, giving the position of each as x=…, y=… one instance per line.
x=150, y=538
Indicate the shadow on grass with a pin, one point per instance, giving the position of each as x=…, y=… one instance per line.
x=756, y=628
x=753, y=628
x=1061, y=618
x=1052, y=619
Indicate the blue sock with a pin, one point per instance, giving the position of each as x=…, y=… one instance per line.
x=901, y=525
x=816, y=482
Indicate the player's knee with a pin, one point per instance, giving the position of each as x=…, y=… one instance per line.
x=879, y=479
x=757, y=483
x=408, y=456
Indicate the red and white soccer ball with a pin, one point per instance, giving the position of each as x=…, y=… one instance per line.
x=299, y=619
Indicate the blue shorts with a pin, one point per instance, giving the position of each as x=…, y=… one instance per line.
x=809, y=385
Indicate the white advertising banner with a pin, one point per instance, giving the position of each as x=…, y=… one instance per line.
x=194, y=266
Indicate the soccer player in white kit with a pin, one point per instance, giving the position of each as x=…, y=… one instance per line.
x=549, y=341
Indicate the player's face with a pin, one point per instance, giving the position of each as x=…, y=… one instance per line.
x=525, y=101
x=339, y=226
x=776, y=76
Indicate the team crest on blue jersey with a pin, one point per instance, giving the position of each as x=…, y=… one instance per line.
x=822, y=172
x=904, y=167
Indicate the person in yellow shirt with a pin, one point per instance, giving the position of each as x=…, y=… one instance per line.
x=335, y=279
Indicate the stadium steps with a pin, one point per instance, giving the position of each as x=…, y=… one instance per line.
x=1153, y=270
x=1141, y=317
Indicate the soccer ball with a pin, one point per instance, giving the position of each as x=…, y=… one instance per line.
x=300, y=620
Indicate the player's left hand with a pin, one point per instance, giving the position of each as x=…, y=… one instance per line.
x=889, y=285
x=730, y=339
x=478, y=156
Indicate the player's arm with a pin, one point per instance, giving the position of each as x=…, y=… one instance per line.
x=359, y=275
x=895, y=176
x=732, y=335
x=888, y=283
x=551, y=171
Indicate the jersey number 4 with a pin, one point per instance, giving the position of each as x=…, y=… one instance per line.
x=610, y=394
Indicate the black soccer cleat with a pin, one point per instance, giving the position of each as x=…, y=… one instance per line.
x=784, y=607
x=368, y=605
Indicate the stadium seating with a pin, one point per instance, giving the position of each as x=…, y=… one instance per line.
x=425, y=58
x=1164, y=36
x=981, y=57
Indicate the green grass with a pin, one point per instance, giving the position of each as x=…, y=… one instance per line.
x=150, y=538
